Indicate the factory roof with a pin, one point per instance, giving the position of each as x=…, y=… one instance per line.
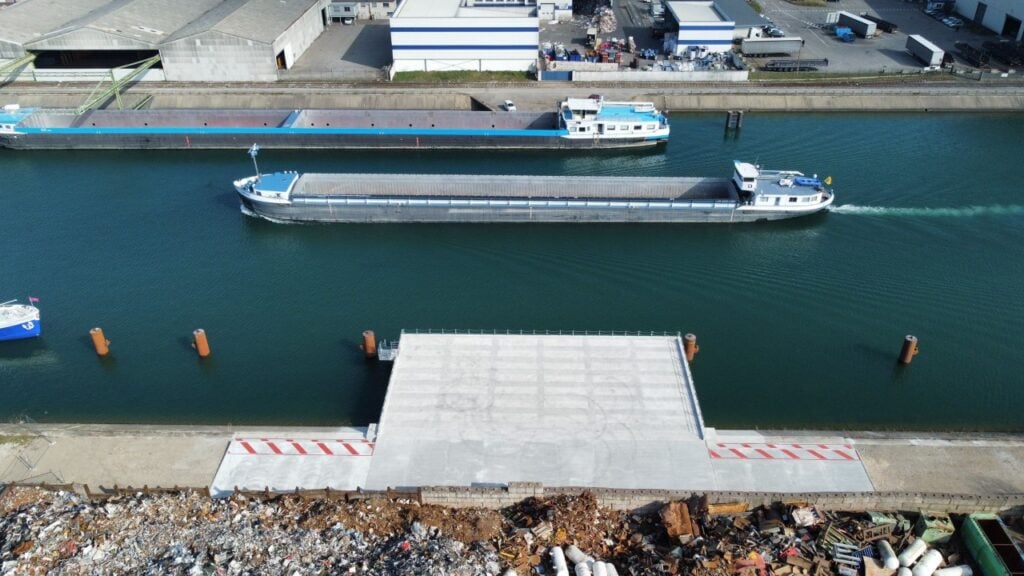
x=457, y=9
x=566, y=410
x=690, y=11
x=740, y=12
x=147, y=22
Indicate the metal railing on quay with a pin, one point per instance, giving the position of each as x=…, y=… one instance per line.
x=507, y=332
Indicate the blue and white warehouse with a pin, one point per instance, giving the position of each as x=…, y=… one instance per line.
x=442, y=35
x=701, y=25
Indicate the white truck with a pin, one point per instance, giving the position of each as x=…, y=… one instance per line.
x=861, y=26
x=925, y=51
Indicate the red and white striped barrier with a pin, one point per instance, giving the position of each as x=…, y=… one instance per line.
x=300, y=447
x=766, y=451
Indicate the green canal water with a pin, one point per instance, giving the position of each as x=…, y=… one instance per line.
x=799, y=322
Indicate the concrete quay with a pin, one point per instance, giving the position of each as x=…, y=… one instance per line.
x=960, y=96
x=946, y=466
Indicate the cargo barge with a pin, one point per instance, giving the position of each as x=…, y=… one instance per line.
x=577, y=123
x=752, y=194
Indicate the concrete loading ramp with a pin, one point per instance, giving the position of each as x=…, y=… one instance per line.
x=565, y=410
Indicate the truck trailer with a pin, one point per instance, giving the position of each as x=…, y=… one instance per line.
x=760, y=46
x=861, y=26
x=925, y=51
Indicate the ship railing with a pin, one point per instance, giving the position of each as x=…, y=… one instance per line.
x=508, y=332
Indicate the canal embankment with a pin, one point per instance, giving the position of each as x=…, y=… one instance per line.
x=941, y=471
x=958, y=96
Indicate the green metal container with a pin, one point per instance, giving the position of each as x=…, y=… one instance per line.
x=991, y=546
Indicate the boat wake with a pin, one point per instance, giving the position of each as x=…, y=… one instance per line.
x=963, y=212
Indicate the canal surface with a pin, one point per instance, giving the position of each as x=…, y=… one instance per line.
x=799, y=322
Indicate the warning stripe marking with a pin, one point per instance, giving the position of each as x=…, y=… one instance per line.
x=783, y=452
x=300, y=447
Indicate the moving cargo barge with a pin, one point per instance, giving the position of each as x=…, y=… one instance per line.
x=752, y=194
x=577, y=123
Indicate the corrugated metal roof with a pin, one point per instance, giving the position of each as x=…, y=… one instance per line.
x=476, y=186
x=149, y=22
x=27, y=21
x=152, y=22
x=264, y=20
x=740, y=12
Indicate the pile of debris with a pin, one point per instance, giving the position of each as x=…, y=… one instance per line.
x=188, y=533
x=604, y=20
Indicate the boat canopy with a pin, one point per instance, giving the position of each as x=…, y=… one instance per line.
x=746, y=170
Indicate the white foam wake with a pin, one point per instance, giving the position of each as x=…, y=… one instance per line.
x=962, y=212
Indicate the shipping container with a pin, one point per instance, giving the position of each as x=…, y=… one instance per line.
x=861, y=26
x=925, y=51
x=758, y=46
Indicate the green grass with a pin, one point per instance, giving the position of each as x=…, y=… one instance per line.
x=756, y=6
x=818, y=3
x=461, y=76
x=17, y=439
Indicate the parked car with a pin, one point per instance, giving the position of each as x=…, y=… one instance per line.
x=509, y=106
x=773, y=31
x=347, y=21
x=953, y=22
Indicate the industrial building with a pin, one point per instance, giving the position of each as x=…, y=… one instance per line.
x=442, y=35
x=1000, y=16
x=701, y=26
x=341, y=10
x=196, y=40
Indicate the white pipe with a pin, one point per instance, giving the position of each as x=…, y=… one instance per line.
x=912, y=552
x=558, y=561
x=888, y=555
x=929, y=562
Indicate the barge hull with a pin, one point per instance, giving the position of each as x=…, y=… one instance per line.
x=186, y=141
x=327, y=213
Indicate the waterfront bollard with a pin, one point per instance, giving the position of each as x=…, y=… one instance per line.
x=200, y=343
x=909, y=349
x=99, y=342
x=690, y=346
x=369, y=344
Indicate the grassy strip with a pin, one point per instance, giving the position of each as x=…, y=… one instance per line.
x=818, y=3
x=18, y=439
x=467, y=76
x=756, y=6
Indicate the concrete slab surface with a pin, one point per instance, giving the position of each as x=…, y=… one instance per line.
x=565, y=410
x=957, y=466
x=338, y=459
x=108, y=455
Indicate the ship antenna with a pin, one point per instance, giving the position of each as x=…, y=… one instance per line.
x=254, y=151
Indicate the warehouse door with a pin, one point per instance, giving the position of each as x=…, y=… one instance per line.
x=979, y=12
x=1012, y=27
x=282, y=64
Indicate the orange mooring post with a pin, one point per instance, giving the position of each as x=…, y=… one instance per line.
x=99, y=342
x=369, y=344
x=909, y=349
x=200, y=343
x=690, y=346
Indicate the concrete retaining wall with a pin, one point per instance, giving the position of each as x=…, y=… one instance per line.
x=641, y=501
x=856, y=100
x=649, y=500
x=661, y=76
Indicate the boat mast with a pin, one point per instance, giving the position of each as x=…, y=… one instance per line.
x=255, y=150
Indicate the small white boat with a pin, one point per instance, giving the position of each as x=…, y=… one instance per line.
x=18, y=321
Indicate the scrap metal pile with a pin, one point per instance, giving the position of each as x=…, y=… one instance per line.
x=45, y=532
